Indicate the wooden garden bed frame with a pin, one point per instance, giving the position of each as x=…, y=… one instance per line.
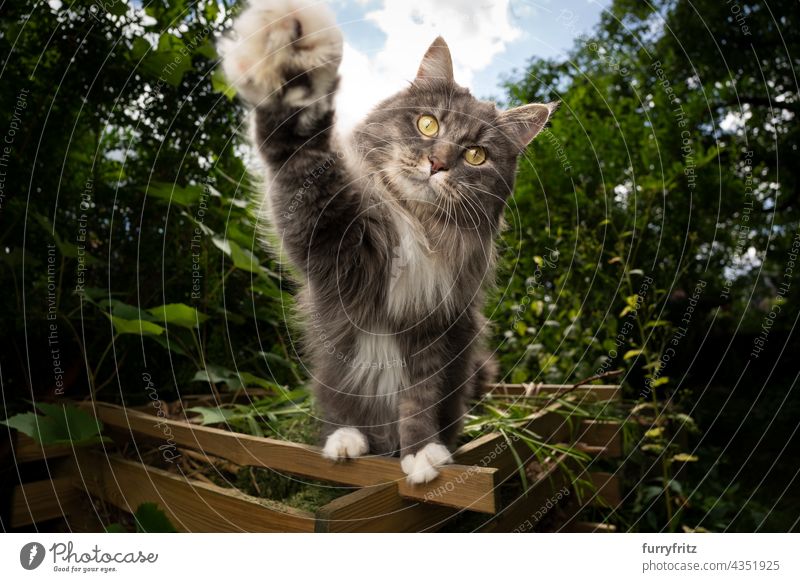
x=382, y=500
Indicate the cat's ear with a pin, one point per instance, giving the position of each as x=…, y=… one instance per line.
x=436, y=65
x=524, y=123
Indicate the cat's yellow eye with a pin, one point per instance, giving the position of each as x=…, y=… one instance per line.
x=475, y=155
x=428, y=125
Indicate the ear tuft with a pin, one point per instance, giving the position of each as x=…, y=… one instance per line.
x=437, y=64
x=524, y=123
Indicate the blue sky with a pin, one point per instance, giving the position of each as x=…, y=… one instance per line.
x=384, y=40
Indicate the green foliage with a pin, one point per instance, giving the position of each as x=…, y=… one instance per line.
x=622, y=248
x=284, y=414
x=151, y=519
x=148, y=518
x=130, y=245
x=58, y=425
x=160, y=240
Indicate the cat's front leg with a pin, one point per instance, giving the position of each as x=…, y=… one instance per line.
x=284, y=54
x=421, y=450
x=345, y=443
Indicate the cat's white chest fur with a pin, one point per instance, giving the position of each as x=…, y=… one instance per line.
x=418, y=283
x=378, y=368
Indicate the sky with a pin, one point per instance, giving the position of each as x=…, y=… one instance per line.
x=385, y=40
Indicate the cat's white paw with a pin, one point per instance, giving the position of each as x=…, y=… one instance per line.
x=283, y=49
x=422, y=467
x=345, y=443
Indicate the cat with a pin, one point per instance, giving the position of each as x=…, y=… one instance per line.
x=392, y=231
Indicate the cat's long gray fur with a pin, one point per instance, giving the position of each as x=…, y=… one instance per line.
x=393, y=231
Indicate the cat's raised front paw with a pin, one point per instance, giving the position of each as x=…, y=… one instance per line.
x=422, y=467
x=283, y=49
x=345, y=443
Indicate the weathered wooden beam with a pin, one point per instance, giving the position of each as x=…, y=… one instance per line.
x=42, y=500
x=589, y=527
x=599, y=392
x=457, y=486
x=602, y=433
x=27, y=450
x=380, y=509
x=544, y=496
x=516, y=516
x=603, y=438
x=192, y=506
x=607, y=487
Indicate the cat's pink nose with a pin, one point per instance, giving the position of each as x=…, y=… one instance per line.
x=437, y=165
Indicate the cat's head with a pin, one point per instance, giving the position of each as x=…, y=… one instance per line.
x=443, y=153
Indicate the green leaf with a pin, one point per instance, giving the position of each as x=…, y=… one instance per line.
x=114, y=8
x=253, y=380
x=220, y=84
x=276, y=359
x=214, y=374
x=519, y=375
x=631, y=354
x=686, y=421
x=26, y=423
x=183, y=196
x=150, y=519
x=215, y=415
x=139, y=48
x=123, y=310
x=654, y=432
x=675, y=486
x=169, y=61
x=242, y=258
x=178, y=314
x=59, y=424
x=685, y=458
x=66, y=248
x=651, y=492
x=211, y=10
x=135, y=326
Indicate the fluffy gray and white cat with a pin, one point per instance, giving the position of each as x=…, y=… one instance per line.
x=393, y=231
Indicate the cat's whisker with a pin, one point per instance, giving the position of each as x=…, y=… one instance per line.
x=470, y=206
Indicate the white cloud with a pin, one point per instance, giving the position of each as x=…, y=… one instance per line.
x=475, y=31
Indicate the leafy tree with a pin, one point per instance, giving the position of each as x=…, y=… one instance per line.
x=126, y=160
x=657, y=219
x=652, y=230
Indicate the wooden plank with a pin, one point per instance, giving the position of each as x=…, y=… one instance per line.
x=589, y=527
x=465, y=487
x=27, y=450
x=599, y=392
x=547, y=423
x=607, y=489
x=192, y=506
x=602, y=433
x=380, y=509
x=598, y=438
x=521, y=514
x=517, y=515
x=42, y=500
